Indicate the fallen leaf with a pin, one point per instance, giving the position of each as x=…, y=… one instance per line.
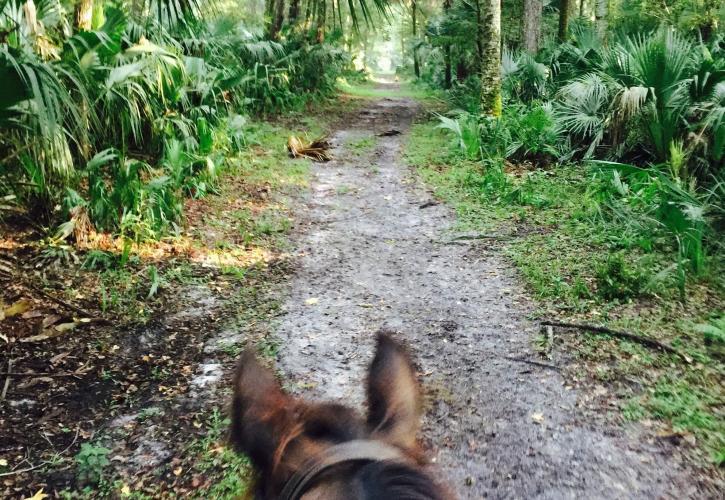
x=177, y=471
x=31, y=314
x=312, y=301
x=3, y=462
x=50, y=320
x=537, y=417
x=125, y=490
x=58, y=357
x=18, y=307
x=39, y=495
x=50, y=333
x=65, y=327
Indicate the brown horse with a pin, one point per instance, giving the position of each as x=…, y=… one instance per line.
x=327, y=451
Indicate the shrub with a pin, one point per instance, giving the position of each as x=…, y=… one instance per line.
x=617, y=279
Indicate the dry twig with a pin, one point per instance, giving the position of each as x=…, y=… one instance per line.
x=616, y=333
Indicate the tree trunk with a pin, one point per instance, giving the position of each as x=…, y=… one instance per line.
x=269, y=10
x=274, y=13
x=563, y=20
x=490, y=32
x=84, y=15
x=321, y=20
x=532, y=25
x=447, y=51
x=601, y=14
x=294, y=12
x=278, y=18
x=479, y=36
x=581, y=8
x=416, y=63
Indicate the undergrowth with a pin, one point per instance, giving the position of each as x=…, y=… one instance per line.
x=584, y=260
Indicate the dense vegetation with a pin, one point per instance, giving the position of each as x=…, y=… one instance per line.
x=108, y=121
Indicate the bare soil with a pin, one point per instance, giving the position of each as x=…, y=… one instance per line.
x=375, y=251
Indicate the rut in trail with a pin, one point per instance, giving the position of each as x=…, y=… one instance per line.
x=372, y=255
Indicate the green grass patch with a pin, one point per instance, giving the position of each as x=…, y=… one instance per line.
x=371, y=90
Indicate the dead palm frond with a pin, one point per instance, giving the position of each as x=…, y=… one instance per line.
x=315, y=150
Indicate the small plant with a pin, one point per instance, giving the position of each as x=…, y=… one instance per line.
x=91, y=460
x=617, y=279
x=713, y=331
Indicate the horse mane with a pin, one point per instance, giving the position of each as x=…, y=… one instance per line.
x=395, y=480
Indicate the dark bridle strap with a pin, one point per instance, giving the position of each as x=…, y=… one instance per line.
x=362, y=450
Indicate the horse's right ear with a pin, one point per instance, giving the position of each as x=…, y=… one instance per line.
x=262, y=413
x=393, y=394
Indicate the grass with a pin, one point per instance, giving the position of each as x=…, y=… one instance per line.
x=362, y=145
x=581, y=265
x=371, y=90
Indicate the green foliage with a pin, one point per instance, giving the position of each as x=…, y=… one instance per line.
x=617, y=279
x=714, y=331
x=91, y=460
x=137, y=113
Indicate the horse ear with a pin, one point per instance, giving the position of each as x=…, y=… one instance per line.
x=262, y=414
x=393, y=394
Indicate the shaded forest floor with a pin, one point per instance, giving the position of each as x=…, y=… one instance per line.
x=124, y=393
x=114, y=373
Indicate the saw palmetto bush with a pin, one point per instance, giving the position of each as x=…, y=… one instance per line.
x=124, y=114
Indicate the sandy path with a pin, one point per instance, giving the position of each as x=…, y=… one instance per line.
x=369, y=256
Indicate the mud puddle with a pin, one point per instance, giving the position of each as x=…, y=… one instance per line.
x=371, y=252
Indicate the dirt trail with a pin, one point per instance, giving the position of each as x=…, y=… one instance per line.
x=372, y=255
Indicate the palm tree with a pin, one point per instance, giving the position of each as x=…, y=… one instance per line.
x=490, y=38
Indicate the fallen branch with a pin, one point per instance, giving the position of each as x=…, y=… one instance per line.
x=617, y=333
x=53, y=375
x=532, y=362
x=477, y=237
x=67, y=305
x=6, y=385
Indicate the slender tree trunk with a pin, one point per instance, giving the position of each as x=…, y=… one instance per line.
x=308, y=14
x=532, y=25
x=84, y=15
x=581, y=8
x=269, y=10
x=490, y=33
x=274, y=14
x=416, y=63
x=447, y=51
x=278, y=18
x=294, y=12
x=601, y=14
x=321, y=20
x=563, y=20
x=479, y=36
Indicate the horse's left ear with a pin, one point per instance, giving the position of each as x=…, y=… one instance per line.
x=393, y=394
x=262, y=414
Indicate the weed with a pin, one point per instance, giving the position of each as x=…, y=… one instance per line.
x=91, y=460
x=617, y=279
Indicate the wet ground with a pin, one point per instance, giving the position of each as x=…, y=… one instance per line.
x=374, y=251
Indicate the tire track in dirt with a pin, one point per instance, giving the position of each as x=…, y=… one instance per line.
x=368, y=257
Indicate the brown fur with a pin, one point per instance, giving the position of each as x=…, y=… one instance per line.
x=281, y=433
